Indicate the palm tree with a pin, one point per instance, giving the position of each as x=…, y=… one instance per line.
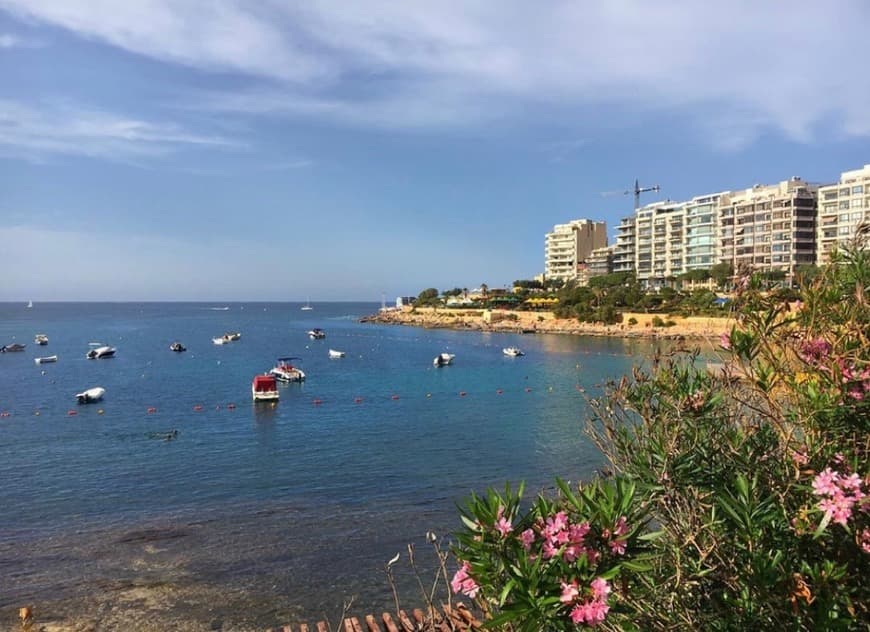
x=484, y=288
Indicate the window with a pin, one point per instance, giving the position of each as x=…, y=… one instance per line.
x=844, y=191
x=830, y=195
x=858, y=189
x=844, y=204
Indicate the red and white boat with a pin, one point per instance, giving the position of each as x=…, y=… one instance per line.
x=284, y=371
x=264, y=388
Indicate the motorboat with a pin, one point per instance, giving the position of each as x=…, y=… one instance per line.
x=317, y=334
x=91, y=395
x=512, y=352
x=284, y=371
x=232, y=335
x=12, y=348
x=40, y=339
x=46, y=359
x=443, y=359
x=101, y=352
x=177, y=347
x=264, y=388
x=220, y=340
x=336, y=354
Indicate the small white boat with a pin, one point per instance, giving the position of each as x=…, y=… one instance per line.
x=29, y=304
x=317, y=334
x=40, y=339
x=336, y=354
x=14, y=347
x=91, y=395
x=220, y=340
x=46, y=359
x=443, y=359
x=101, y=352
x=284, y=371
x=264, y=388
x=177, y=347
x=512, y=352
x=307, y=307
x=233, y=335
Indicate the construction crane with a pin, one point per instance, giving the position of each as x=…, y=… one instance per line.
x=637, y=191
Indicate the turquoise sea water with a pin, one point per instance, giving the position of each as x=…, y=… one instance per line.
x=297, y=506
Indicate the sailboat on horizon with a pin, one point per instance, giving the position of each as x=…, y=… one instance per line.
x=29, y=304
x=307, y=307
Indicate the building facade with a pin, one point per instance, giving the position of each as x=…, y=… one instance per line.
x=659, y=243
x=769, y=228
x=626, y=241
x=569, y=245
x=842, y=208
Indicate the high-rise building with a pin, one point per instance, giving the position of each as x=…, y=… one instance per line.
x=773, y=227
x=659, y=243
x=701, y=239
x=569, y=245
x=842, y=207
x=623, y=251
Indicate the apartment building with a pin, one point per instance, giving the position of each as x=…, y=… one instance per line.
x=768, y=228
x=842, y=207
x=623, y=251
x=569, y=245
x=659, y=242
x=701, y=232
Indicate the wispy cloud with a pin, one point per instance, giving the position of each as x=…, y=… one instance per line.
x=46, y=130
x=420, y=64
x=8, y=40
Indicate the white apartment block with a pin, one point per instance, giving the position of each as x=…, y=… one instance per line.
x=701, y=232
x=623, y=251
x=842, y=207
x=659, y=243
x=768, y=228
x=569, y=245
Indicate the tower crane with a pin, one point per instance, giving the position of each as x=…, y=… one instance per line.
x=636, y=191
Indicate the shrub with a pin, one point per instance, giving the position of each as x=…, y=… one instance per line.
x=740, y=500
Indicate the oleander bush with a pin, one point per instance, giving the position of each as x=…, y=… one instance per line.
x=738, y=497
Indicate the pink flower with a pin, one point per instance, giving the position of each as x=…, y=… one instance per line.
x=621, y=528
x=502, y=524
x=865, y=540
x=617, y=547
x=569, y=592
x=463, y=582
x=825, y=483
x=527, y=537
x=800, y=458
x=725, y=340
x=600, y=589
x=591, y=613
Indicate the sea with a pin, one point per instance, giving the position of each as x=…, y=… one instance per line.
x=178, y=498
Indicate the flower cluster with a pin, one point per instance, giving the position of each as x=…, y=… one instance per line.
x=840, y=493
x=815, y=351
x=590, y=608
x=464, y=583
x=856, y=381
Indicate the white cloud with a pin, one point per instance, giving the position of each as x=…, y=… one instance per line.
x=7, y=40
x=743, y=66
x=38, y=132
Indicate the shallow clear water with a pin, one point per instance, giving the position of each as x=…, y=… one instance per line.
x=299, y=504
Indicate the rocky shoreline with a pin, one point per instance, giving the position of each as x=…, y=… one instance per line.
x=633, y=325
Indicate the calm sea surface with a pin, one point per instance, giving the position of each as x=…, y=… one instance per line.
x=284, y=511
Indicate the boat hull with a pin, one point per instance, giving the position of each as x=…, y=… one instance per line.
x=91, y=395
x=46, y=359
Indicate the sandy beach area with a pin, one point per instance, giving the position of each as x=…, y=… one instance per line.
x=633, y=325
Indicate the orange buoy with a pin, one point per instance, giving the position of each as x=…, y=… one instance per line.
x=71, y=413
x=462, y=393
x=152, y=410
x=197, y=408
x=357, y=400
x=231, y=406
x=395, y=397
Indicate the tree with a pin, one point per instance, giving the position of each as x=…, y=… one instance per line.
x=428, y=296
x=722, y=273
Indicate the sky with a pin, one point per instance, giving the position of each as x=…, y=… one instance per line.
x=332, y=150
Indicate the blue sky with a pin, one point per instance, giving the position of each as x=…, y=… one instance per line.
x=276, y=150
